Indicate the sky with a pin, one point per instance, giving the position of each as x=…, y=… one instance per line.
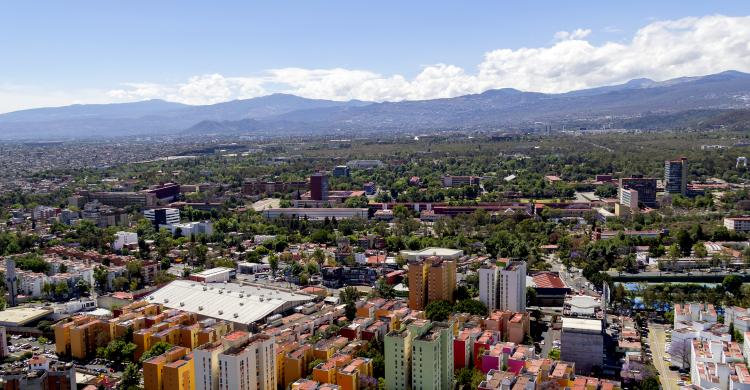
x=55, y=53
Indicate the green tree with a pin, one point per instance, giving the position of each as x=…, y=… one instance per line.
x=101, y=274
x=155, y=350
x=131, y=378
x=438, y=310
x=61, y=289
x=118, y=351
x=471, y=306
x=700, y=250
x=82, y=287
x=384, y=290
x=273, y=262
x=733, y=284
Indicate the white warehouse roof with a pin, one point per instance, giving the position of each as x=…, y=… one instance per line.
x=227, y=301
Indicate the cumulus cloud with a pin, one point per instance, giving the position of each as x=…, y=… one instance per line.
x=579, y=33
x=660, y=50
x=203, y=89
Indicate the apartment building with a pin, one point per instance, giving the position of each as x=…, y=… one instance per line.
x=173, y=369
x=249, y=365
x=399, y=352
x=431, y=279
x=432, y=358
x=503, y=286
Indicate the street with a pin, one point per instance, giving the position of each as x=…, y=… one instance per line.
x=657, y=339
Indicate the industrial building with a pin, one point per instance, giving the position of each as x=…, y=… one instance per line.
x=241, y=305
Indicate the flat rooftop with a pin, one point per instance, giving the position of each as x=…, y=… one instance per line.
x=433, y=251
x=582, y=324
x=213, y=271
x=227, y=301
x=19, y=316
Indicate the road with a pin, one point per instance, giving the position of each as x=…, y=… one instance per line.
x=549, y=338
x=657, y=339
x=571, y=279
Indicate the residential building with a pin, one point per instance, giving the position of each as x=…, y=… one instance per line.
x=249, y=365
x=125, y=239
x=55, y=375
x=432, y=358
x=503, y=287
x=173, y=369
x=676, y=176
x=431, y=279
x=398, y=353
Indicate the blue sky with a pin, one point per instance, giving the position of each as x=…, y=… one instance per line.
x=87, y=51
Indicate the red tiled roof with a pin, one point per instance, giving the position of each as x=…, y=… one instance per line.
x=548, y=280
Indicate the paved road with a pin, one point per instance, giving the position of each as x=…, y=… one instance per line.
x=657, y=339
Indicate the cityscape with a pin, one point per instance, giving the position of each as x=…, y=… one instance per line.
x=329, y=225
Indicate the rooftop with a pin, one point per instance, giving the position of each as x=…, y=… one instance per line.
x=227, y=301
x=19, y=316
x=582, y=324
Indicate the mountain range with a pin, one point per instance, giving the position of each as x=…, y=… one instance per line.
x=288, y=114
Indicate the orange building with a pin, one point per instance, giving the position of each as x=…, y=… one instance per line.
x=431, y=279
x=295, y=363
x=171, y=370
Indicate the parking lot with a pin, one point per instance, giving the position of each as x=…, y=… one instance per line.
x=18, y=346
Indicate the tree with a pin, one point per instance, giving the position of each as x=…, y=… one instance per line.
x=101, y=274
x=700, y=249
x=156, y=350
x=131, y=378
x=438, y=310
x=471, y=306
x=61, y=289
x=733, y=284
x=120, y=283
x=48, y=289
x=349, y=296
x=273, y=262
x=530, y=296
x=82, y=287
x=469, y=378
x=118, y=351
x=384, y=290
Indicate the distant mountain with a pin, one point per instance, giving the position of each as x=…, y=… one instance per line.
x=506, y=107
x=92, y=111
x=282, y=114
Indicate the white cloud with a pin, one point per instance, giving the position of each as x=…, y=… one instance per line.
x=578, y=33
x=660, y=50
